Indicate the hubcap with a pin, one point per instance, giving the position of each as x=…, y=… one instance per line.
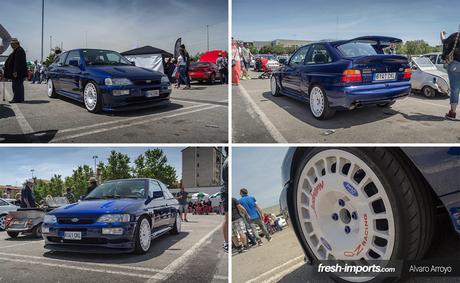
x=2, y=222
x=50, y=87
x=178, y=223
x=90, y=96
x=343, y=208
x=317, y=101
x=145, y=234
x=273, y=85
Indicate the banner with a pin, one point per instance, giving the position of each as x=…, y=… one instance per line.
x=5, y=39
x=176, y=47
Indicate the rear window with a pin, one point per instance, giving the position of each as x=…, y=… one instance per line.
x=356, y=49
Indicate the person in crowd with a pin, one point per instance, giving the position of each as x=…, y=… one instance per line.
x=92, y=185
x=221, y=63
x=27, y=195
x=236, y=64
x=182, y=198
x=238, y=235
x=224, y=198
x=36, y=72
x=17, y=201
x=182, y=68
x=43, y=69
x=255, y=213
x=451, y=56
x=69, y=195
x=246, y=56
x=209, y=204
x=16, y=70
x=187, y=66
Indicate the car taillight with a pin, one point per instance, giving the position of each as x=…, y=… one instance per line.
x=351, y=76
x=407, y=73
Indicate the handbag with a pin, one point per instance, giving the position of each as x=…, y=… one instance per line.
x=450, y=57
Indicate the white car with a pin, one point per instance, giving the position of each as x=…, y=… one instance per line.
x=435, y=57
x=281, y=221
x=427, y=78
x=5, y=208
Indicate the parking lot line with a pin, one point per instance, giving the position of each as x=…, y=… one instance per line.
x=75, y=267
x=25, y=126
x=277, y=136
x=125, y=125
x=185, y=257
x=257, y=279
x=15, y=245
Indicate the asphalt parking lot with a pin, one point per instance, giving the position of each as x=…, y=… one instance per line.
x=199, y=115
x=282, y=259
x=258, y=117
x=195, y=255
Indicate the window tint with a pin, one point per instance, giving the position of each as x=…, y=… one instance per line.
x=155, y=190
x=318, y=55
x=73, y=55
x=60, y=60
x=299, y=57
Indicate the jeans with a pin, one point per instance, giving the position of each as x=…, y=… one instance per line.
x=18, y=89
x=182, y=75
x=36, y=78
x=262, y=227
x=453, y=70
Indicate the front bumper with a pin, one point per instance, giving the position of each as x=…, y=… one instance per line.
x=92, y=239
x=350, y=96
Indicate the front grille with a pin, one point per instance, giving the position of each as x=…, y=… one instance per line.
x=70, y=220
x=146, y=82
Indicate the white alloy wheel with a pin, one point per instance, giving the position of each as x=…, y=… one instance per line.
x=344, y=211
x=50, y=88
x=90, y=96
x=145, y=235
x=273, y=85
x=317, y=101
x=178, y=223
x=2, y=222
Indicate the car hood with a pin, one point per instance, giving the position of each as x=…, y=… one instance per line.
x=99, y=206
x=130, y=72
x=438, y=74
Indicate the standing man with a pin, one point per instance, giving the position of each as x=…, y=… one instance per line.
x=451, y=55
x=16, y=70
x=182, y=198
x=92, y=185
x=27, y=195
x=224, y=198
x=36, y=75
x=255, y=214
x=221, y=65
x=187, y=66
x=239, y=236
x=69, y=195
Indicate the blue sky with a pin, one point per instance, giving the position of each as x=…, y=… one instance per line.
x=317, y=19
x=116, y=24
x=258, y=169
x=46, y=161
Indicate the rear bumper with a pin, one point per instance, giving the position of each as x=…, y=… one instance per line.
x=199, y=75
x=349, y=96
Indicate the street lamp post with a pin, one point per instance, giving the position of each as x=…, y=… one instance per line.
x=32, y=171
x=207, y=35
x=95, y=157
x=43, y=27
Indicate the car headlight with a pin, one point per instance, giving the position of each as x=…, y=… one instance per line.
x=110, y=218
x=117, y=81
x=50, y=219
x=164, y=80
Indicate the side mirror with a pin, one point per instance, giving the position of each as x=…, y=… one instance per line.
x=133, y=63
x=74, y=63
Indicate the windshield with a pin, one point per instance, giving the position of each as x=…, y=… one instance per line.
x=267, y=56
x=356, y=49
x=119, y=189
x=424, y=63
x=103, y=57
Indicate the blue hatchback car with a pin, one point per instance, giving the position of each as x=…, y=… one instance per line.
x=105, y=80
x=346, y=74
x=369, y=204
x=117, y=216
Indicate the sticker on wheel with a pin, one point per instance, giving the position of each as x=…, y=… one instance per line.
x=350, y=188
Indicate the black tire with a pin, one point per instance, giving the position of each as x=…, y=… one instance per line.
x=52, y=93
x=98, y=107
x=37, y=231
x=327, y=112
x=212, y=79
x=387, y=104
x=410, y=199
x=274, y=86
x=137, y=245
x=428, y=92
x=12, y=234
x=174, y=230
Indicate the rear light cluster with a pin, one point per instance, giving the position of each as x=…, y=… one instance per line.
x=351, y=76
x=407, y=74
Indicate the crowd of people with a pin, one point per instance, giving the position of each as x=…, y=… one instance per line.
x=241, y=61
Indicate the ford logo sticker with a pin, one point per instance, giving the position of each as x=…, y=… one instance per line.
x=74, y=220
x=326, y=244
x=349, y=187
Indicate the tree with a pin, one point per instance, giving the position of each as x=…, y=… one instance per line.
x=154, y=164
x=78, y=181
x=117, y=167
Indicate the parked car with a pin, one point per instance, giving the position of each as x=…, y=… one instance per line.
x=369, y=203
x=203, y=72
x=2, y=65
x=265, y=62
x=344, y=74
x=282, y=59
x=428, y=79
x=117, y=216
x=435, y=57
x=5, y=208
x=29, y=220
x=106, y=81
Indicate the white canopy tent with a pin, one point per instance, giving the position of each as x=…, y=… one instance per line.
x=148, y=57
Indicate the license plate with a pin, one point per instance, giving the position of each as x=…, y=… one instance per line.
x=384, y=76
x=152, y=93
x=72, y=235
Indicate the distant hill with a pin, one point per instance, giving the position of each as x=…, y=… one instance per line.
x=275, y=209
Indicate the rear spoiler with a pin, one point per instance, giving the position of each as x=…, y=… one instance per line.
x=378, y=41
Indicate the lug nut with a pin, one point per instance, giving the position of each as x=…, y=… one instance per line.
x=341, y=202
x=335, y=216
x=354, y=215
x=347, y=229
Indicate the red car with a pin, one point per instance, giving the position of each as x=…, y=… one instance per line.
x=203, y=72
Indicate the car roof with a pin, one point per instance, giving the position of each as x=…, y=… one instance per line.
x=130, y=179
x=78, y=49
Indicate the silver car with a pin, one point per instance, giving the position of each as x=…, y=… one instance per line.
x=427, y=78
x=435, y=57
x=5, y=207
